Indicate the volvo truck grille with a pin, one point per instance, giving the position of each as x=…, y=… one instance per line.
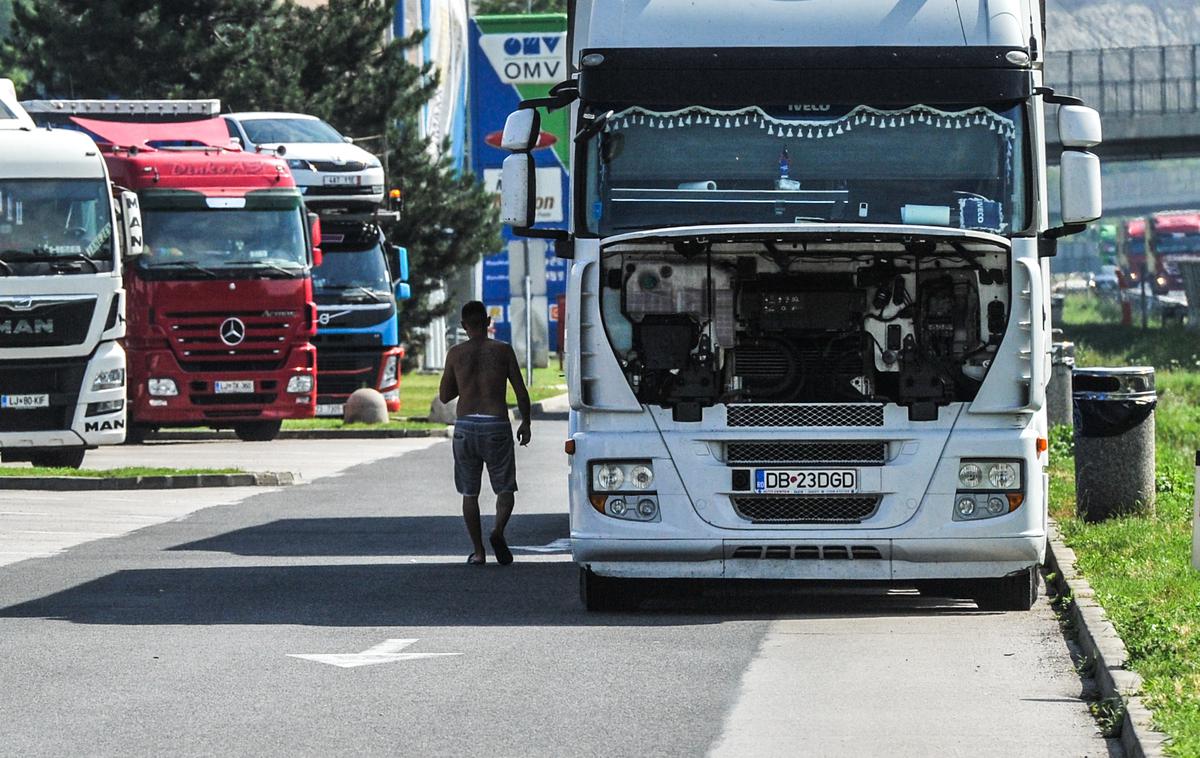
x=824, y=415
x=341, y=373
x=208, y=341
x=864, y=453
x=806, y=509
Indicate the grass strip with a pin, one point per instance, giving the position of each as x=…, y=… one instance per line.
x=128, y=472
x=1140, y=566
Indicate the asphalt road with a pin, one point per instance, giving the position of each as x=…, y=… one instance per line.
x=180, y=637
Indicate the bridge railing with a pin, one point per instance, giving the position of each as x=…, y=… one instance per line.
x=1133, y=80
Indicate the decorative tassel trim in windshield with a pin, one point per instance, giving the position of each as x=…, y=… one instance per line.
x=862, y=116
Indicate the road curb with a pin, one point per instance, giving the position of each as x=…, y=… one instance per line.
x=303, y=434
x=171, y=482
x=1100, y=643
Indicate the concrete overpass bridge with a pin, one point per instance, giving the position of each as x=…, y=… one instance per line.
x=1148, y=97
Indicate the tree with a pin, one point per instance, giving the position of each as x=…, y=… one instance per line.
x=488, y=7
x=331, y=61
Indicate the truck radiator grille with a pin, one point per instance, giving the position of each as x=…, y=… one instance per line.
x=242, y=398
x=808, y=552
x=806, y=509
x=822, y=415
x=865, y=453
x=60, y=379
x=341, y=373
x=196, y=339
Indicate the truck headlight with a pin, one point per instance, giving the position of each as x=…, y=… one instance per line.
x=390, y=369
x=162, y=387
x=997, y=475
x=110, y=379
x=612, y=476
x=300, y=383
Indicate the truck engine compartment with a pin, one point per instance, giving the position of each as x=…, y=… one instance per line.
x=696, y=323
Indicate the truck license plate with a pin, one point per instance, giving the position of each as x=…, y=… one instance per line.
x=770, y=481
x=236, y=386
x=345, y=180
x=333, y=409
x=24, y=402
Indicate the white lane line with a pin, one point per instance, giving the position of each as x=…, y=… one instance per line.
x=387, y=651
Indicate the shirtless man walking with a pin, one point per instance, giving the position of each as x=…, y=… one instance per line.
x=476, y=373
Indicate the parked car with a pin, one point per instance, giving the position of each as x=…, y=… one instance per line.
x=329, y=169
x=1107, y=280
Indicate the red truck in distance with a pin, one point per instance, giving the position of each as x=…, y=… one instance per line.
x=221, y=309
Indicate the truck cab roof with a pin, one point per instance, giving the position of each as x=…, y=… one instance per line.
x=49, y=154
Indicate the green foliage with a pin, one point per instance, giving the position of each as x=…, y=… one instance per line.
x=506, y=7
x=128, y=472
x=1140, y=566
x=331, y=61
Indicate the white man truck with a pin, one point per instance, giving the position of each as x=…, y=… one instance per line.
x=62, y=303
x=807, y=320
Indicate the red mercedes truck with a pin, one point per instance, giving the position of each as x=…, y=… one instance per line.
x=221, y=308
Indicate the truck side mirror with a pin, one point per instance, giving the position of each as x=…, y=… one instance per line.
x=314, y=225
x=1079, y=177
x=131, y=223
x=521, y=131
x=1079, y=126
x=401, y=254
x=403, y=291
x=518, y=191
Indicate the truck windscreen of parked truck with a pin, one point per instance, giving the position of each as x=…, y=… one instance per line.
x=59, y=226
x=357, y=274
x=959, y=166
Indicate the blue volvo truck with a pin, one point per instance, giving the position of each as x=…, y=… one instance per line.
x=357, y=287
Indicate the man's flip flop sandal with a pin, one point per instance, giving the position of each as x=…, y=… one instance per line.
x=473, y=561
x=504, y=556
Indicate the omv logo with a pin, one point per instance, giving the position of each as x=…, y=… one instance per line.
x=533, y=59
x=531, y=45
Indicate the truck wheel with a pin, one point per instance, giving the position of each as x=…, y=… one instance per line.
x=606, y=593
x=1011, y=593
x=257, y=431
x=67, y=457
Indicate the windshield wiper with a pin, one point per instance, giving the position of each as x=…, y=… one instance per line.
x=365, y=291
x=192, y=265
x=41, y=255
x=289, y=273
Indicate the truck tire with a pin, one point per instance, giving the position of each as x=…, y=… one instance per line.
x=606, y=594
x=257, y=431
x=1017, y=592
x=67, y=457
x=135, y=434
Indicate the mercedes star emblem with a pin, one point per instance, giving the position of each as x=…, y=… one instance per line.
x=233, y=331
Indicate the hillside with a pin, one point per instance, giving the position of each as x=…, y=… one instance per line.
x=1087, y=24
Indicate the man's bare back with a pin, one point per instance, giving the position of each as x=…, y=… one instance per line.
x=479, y=370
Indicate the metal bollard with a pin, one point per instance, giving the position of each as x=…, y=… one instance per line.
x=1114, y=441
x=1196, y=517
x=1059, y=406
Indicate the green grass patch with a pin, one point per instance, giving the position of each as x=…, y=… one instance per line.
x=397, y=423
x=128, y=472
x=1140, y=566
x=417, y=390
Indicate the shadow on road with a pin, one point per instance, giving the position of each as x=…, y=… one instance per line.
x=402, y=535
x=534, y=593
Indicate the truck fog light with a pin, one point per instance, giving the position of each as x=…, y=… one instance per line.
x=156, y=403
x=970, y=475
x=609, y=476
x=641, y=477
x=965, y=506
x=100, y=409
x=1002, y=476
x=617, y=507
x=162, y=387
x=110, y=379
x=647, y=508
x=300, y=383
x=996, y=505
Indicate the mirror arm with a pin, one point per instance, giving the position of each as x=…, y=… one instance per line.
x=1056, y=233
x=1050, y=96
x=564, y=243
x=561, y=95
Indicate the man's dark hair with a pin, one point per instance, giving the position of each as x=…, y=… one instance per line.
x=474, y=315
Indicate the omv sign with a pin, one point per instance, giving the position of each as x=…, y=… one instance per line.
x=521, y=59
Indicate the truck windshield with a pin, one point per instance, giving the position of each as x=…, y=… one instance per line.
x=958, y=166
x=352, y=275
x=268, y=241
x=44, y=219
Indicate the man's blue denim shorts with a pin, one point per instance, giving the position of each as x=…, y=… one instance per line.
x=480, y=440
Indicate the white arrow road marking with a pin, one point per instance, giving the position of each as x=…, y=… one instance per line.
x=558, y=546
x=387, y=651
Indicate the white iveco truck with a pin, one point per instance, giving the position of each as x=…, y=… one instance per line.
x=808, y=309
x=62, y=304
